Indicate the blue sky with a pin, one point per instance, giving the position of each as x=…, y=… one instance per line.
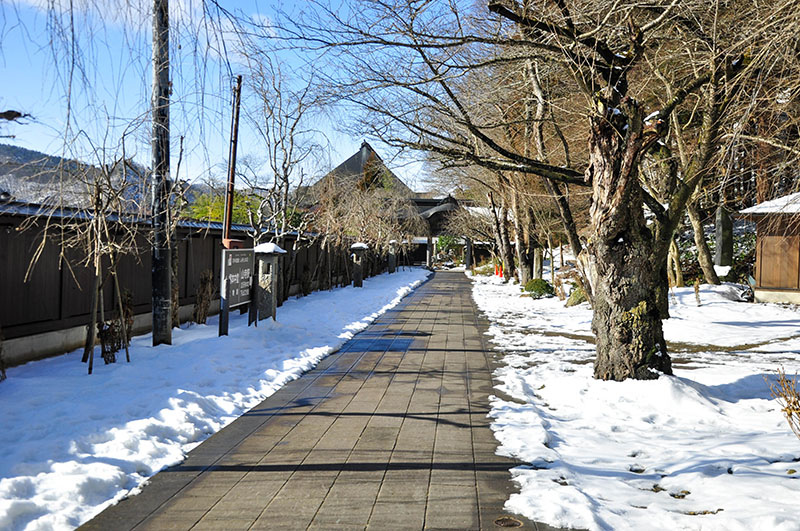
x=111, y=85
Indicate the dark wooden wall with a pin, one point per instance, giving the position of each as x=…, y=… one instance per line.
x=57, y=295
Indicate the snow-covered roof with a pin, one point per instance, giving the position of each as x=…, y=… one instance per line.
x=479, y=211
x=788, y=204
x=268, y=248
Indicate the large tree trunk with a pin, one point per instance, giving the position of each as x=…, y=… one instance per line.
x=626, y=321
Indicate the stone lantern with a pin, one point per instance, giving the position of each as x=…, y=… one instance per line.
x=267, y=255
x=358, y=249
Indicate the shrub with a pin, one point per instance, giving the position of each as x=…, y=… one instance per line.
x=786, y=394
x=576, y=297
x=538, y=288
x=447, y=243
x=485, y=269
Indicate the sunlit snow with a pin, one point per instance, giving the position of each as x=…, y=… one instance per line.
x=707, y=448
x=71, y=444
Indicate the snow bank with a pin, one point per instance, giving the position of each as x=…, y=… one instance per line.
x=72, y=444
x=705, y=449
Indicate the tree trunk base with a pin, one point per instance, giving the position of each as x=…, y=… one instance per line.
x=630, y=344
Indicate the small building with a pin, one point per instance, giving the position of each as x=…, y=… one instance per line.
x=777, y=272
x=366, y=169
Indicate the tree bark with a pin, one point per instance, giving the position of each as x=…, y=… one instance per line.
x=703, y=252
x=538, y=262
x=627, y=320
x=91, y=331
x=675, y=254
x=509, y=271
x=522, y=249
x=500, y=235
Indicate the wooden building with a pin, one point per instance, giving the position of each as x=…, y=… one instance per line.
x=366, y=167
x=777, y=272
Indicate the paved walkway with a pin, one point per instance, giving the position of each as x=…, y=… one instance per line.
x=388, y=433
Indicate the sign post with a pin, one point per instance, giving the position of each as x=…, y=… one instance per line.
x=235, y=283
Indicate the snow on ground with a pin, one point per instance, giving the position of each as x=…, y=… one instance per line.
x=704, y=449
x=72, y=444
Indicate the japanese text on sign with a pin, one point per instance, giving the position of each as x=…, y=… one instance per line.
x=237, y=274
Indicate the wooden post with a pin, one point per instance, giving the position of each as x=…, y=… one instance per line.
x=358, y=251
x=224, y=309
x=229, y=191
x=162, y=271
x=429, y=252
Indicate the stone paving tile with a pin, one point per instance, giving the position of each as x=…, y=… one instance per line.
x=452, y=507
x=389, y=433
x=172, y=521
x=397, y=515
x=348, y=503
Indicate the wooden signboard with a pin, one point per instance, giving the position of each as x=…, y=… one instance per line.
x=236, y=282
x=237, y=276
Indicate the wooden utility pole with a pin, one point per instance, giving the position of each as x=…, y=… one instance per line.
x=229, y=191
x=227, y=216
x=162, y=253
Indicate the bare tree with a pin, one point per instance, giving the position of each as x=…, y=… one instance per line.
x=89, y=92
x=284, y=108
x=282, y=120
x=95, y=234
x=406, y=63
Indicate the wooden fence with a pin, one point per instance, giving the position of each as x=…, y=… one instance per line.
x=57, y=293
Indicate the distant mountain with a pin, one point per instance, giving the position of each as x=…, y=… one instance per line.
x=33, y=177
x=20, y=155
